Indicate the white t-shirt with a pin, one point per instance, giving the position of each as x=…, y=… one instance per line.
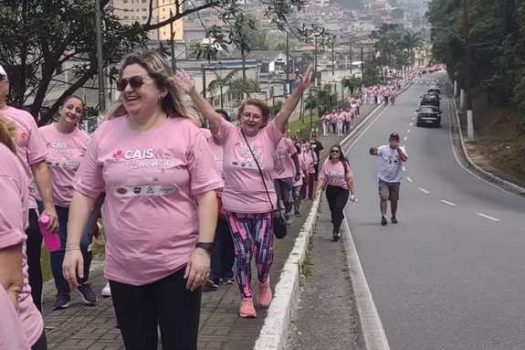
x=390, y=165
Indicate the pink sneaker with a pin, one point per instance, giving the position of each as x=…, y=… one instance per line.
x=247, y=309
x=265, y=294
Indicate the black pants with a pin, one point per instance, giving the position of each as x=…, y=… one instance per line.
x=337, y=198
x=33, y=251
x=223, y=252
x=41, y=343
x=165, y=303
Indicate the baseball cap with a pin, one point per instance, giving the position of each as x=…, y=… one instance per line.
x=394, y=136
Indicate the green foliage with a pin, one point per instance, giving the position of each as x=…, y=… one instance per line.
x=396, y=46
x=352, y=84
x=496, y=34
x=323, y=98
x=208, y=51
x=239, y=87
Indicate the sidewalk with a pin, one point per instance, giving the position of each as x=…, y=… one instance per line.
x=94, y=328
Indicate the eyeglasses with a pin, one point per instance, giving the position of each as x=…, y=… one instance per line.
x=253, y=116
x=334, y=151
x=135, y=82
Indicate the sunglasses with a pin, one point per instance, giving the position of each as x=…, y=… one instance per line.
x=135, y=82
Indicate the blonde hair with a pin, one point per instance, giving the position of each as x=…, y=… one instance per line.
x=164, y=77
x=7, y=134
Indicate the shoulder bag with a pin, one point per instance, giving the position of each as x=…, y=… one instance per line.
x=279, y=221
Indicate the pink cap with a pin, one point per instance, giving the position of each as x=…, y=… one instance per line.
x=44, y=219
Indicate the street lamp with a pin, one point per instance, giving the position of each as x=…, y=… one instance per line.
x=100, y=60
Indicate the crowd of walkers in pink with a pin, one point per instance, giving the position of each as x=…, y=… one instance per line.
x=187, y=199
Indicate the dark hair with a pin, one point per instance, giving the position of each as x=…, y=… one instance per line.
x=342, y=157
x=394, y=136
x=265, y=110
x=67, y=98
x=224, y=114
x=7, y=132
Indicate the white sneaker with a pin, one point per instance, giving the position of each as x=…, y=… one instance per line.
x=106, y=291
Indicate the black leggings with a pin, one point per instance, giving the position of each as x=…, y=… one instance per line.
x=41, y=343
x=337, y=198
x=33, y=251
x=165, y=303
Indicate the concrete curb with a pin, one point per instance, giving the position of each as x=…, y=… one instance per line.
x=274, y=333
x=372, y=331
x=502, y=183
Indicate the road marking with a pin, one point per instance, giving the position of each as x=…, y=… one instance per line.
x=405, y=138
x=404, y=169
x=488, y=217
x=424, y=190
x=411, y=124
x=409, y=179
x=450, y=204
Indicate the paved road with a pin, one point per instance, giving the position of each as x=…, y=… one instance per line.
x=451, y=274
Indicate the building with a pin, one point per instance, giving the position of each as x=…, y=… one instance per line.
x=131, y=11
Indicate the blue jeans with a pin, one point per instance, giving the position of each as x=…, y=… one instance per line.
x=57, y=258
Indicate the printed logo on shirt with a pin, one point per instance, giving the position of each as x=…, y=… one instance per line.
x=63, y=165
x=145, y=190
x=145, y=158
x=246, y=160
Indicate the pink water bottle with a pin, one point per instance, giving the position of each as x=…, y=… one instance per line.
x=51, y=240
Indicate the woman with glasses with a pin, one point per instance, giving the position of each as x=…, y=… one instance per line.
x=27, y=328
x=160, y=208
x=66, y=145
x=249, y=195
x=338, y=179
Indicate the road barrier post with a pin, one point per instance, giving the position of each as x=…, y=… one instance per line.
x=470, y=125
x=462, y=100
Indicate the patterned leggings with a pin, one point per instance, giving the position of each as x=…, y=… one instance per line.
x=252, y=235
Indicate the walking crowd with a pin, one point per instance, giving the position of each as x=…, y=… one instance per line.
x=187, y=199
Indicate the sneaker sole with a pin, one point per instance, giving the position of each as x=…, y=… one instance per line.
x=62, y=307
x=247, y=316
x=85, y=301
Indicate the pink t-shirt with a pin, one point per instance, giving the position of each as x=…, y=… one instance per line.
x=64, y=157
x=302, y=166
x=310, y=159
x=335, y=174
x=284, y=164
x=151, y=179
x=12, y=335
x=244, y=191
x=13, y=220
x=31, y=147
x=215, y=148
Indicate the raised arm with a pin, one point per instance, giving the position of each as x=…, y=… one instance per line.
x=203, y=106
x=291, y=102
x=402, y=154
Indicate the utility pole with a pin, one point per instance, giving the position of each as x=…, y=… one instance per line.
x=468, y=72
x=350, y=55
x=333, y=56
x=362, y=61
x=172, y=44
x=287, y=65
x=315, y=60
x=100, y=60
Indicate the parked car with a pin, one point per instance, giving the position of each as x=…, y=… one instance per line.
x=428, y=115
x=434, y=90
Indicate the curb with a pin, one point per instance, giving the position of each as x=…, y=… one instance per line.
x=494, y=179
x=372, y=331
x=274, y=333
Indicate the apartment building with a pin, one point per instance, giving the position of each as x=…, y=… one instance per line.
x=131, y=11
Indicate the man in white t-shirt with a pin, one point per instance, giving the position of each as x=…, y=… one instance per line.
x=392, y=157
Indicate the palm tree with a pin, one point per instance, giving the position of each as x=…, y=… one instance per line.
x=204, y=50
x=239, y=87
x=411, y=41
x=219, y=82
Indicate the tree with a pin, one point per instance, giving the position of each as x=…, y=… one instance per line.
x=239, y=87
x=220, y=82
x=411, y=41
x=208, y=51
x=40, y=36
x=352, y=84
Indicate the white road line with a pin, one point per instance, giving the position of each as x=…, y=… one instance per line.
x=409, y=179
x=408, y=131
x=424, y=190
x=488, y=217
x=411, y=124
x=404, y=169
x=405, y=138
x=450, y=204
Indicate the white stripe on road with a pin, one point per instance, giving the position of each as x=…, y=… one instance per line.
x=424, y=190
x=411, y=124
x=404, y=169
x=450, y=204
x=408, y=131
x=488, y=217
x=409, y=179
x=405, y=138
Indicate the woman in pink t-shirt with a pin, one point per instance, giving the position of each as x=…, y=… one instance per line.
x=249, y=197
x=66, y=145
x=14, y=186
x=310, y=161
x=160, y=208
x=338, y=179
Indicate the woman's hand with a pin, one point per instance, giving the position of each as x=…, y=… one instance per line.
x=73, y=266
x=303, y=81
x=198, y=269
x=185, y=81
